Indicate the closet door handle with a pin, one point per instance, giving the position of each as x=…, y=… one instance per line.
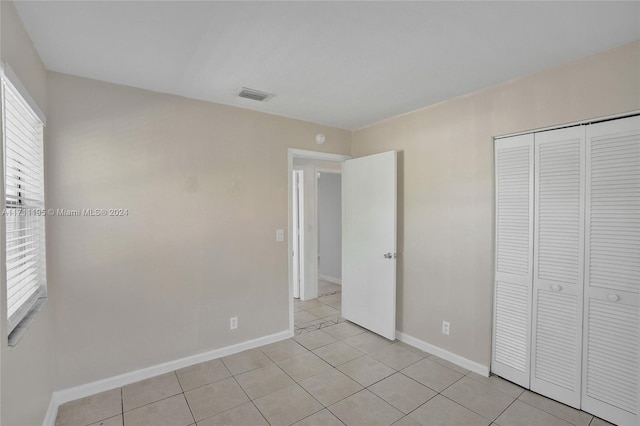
x=556, y=287
x=613, y=297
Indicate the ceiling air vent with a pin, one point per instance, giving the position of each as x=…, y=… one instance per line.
x=255, y=95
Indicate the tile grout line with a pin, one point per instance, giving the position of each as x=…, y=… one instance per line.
x=302, y=387
x=456, y=402
x=475, y=412
x=242, y=372
x=494, y=388
x=122, y=404
x=398, y=370
x=247, y=395
x=325, y=408
x=551, y=414
x=503, y=411
x=184, y=395
x=189, y=407
x=444, y=396
x=149, y=403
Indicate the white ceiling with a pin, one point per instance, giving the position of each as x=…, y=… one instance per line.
x=345, y=64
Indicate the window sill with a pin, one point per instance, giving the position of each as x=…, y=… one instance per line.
x=21, y=328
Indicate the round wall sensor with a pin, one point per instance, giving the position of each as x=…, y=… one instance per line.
x=320, y=138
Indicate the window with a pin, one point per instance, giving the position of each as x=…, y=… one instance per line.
x=24, y=214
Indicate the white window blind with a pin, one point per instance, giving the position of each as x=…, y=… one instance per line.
x=22, y=132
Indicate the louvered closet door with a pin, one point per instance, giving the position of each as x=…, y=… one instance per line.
x=514, y=254
x=612, y=272
x=556, y=348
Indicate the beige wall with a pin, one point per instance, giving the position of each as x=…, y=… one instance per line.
x=446, y=186
x=206, y=188
x=26, y=371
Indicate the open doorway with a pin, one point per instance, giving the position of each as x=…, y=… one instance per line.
x=315, y=240
x=327, y=221
x=368, y=271
x=325, y=309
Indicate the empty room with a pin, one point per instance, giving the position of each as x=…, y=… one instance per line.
x=320, y=213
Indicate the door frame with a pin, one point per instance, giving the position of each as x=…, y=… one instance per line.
x=310, y=155
x=297, y=252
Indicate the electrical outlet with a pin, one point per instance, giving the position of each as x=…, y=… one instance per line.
x=233, y=323
x=279, y=234
x=445, y=327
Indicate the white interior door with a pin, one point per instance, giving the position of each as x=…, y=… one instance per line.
x=369, y=242
x=558, y=264
x=611, y=358
x=511, y=355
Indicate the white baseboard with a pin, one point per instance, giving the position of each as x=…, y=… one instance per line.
x=62, y=396
x=461, y=361
x=52, y=412
x=330, y=279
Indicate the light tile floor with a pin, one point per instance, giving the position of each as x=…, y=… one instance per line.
x=333, y=374
x=311, y=315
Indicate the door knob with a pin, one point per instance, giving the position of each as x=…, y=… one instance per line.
x=388, y=256
x=613, y=297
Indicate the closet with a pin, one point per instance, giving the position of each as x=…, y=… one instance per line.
x=567, y=265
